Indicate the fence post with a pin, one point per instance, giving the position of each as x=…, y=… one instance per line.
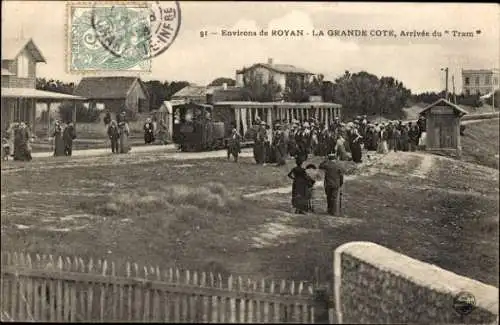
x=321, y=299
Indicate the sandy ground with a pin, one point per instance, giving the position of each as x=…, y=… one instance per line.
x=282, y=230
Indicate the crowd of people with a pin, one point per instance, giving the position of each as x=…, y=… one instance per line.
x=340, y=141
x=273, y=144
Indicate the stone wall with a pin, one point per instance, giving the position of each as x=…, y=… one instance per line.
x=374, y=284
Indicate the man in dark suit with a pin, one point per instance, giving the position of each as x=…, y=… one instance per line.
x=334, y=179
x=69, y=134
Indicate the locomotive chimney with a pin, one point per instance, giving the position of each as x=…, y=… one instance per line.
x=270, y=61
x=224, y=86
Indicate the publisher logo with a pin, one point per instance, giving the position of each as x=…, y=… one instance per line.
x=464, y=303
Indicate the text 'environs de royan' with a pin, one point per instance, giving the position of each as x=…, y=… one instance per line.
x=342, y=33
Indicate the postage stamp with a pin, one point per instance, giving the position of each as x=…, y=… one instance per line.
x=119, y=36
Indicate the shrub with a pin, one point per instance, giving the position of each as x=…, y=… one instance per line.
x=472, y=100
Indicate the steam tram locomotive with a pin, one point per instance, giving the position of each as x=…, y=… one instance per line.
x=202, y=127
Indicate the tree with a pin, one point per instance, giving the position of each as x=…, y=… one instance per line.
x=83, y=114
x=256, y=89
x=57, y=86
x=162, y=91
x=157, y=93
x=363, y=93
x=174, y=86
x=222, y=80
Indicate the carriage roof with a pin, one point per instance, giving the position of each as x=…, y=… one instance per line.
x=278, y=104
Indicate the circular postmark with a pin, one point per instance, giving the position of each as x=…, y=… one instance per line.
x=464, y=303
x=136, y=31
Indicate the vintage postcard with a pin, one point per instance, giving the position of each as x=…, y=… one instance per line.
x=240, y=162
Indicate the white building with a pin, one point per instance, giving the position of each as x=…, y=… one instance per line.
x=481, y=82
x=282, y=74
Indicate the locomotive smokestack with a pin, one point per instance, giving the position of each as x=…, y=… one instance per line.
x=224, y=86
x=270, y=61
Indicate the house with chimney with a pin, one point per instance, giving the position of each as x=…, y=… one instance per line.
x=19, y=94
x=282, y=74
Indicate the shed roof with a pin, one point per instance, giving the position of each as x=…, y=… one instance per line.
x=35, y=93
x=282, y=68
x=191, y=91
x=11, y=47
x=107, y=87
x=460, y=111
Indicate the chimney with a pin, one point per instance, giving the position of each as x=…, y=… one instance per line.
x=270, y=61
x=224, y=86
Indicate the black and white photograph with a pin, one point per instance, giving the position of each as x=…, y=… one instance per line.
x=250, y=162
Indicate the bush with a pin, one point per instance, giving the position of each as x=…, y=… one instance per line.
x=472, y=100
x=83, y=114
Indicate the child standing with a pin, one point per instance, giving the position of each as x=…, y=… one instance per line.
x=311, y=172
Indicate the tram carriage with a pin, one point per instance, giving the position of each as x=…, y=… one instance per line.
x=201, y=127
x=242, y=115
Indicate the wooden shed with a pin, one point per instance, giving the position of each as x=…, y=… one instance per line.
x=165, y=113
x=443, y=126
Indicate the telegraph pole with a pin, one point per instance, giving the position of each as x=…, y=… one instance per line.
x=446, y=82
x=453, y=85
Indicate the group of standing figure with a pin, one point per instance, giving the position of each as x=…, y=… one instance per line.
x=118, y=132
x=16, y=142
x=345, y=140
x=63, y=134
x=394, y=136
x=339, y=141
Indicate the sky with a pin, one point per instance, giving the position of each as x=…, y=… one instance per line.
x=417, y=62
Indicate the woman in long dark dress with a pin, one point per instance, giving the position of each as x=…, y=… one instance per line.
x=58, y=139
x=21, y=146
x=301, y=187
x=355, y=146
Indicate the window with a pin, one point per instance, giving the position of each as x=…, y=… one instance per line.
x=487, y=80
x=467, y=92
x=467, y=80
x=22, y=66
x=477, y=80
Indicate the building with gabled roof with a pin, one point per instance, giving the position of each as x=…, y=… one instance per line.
x=442, y=120
x=19, y=94
x=282, y=74
x=116, y=93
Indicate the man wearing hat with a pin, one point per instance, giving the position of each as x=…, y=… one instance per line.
x=259, y=144
x=334, y=179
x=234, y=145
x=279, y=145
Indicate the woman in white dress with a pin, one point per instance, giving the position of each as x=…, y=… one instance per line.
x=382, y=145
